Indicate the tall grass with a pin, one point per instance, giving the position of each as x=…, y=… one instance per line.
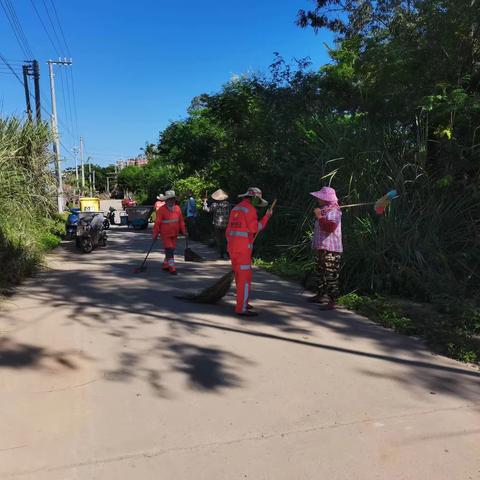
x=28, y=222
x=426, y=245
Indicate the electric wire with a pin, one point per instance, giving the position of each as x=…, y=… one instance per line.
x=5, y=61
x=54, y=33
x=67, y=49
x=20, y=28
x=16, y=28
x=59, y=43
x=45, y=28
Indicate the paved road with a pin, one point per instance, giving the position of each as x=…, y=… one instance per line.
x=104, y=375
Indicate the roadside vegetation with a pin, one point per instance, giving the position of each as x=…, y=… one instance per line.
x=398, y=106
x=29, y=225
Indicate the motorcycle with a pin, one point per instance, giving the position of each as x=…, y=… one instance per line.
x=110, y=218
x=90, y=232
x=72, y=223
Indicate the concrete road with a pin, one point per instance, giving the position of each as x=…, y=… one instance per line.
x=105, y=375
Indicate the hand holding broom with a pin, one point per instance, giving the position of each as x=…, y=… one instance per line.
x=272, y=206
x=219, y=289
x=379, y=205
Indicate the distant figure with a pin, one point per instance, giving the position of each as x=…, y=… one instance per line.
x=128, y=202
x=327, y=241
x=160, y=201
x=220, y=209
x=191, y=215
x=168, y=224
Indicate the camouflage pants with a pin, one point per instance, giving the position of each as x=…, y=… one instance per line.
x=328, y=273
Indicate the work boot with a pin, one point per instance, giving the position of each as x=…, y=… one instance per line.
x=330, y=305
x=248, y=313
x=172, y=270
x=318, y=298
x=165, y=266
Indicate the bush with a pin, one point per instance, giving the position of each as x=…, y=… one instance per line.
x=29, y=225
x=450, y=328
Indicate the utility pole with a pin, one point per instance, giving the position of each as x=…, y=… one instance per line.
x=90, y=175
x=27, y=91
x=82, y=165
x=77, y=186
x=36, y=83
x=56, y=137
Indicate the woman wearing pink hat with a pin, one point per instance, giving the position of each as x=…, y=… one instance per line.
x=327, y=241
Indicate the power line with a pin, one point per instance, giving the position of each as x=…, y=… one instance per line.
x=4, y=60
x=60, y=27
x=20, y=28
x=69, y=97
x=53, y=25
x=44, y=27
x=70, y=71
x=64, y=103
x=16, y=26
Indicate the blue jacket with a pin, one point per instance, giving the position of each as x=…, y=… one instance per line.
x=191, y=208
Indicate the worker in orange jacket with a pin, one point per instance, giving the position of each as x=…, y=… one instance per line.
x=243, y=225
x=160, y=202
x=169, y=223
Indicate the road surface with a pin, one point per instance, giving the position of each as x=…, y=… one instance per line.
x=105, y=375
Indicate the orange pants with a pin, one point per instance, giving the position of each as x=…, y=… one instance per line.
x=242, y=267
x=169, y=242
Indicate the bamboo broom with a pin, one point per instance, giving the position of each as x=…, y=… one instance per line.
x=219, y=289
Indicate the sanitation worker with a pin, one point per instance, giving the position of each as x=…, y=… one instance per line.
x=160, y=202
x=169, y=223
x=220, y=207
x=243, y=225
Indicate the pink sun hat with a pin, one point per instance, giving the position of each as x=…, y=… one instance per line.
x=326, y=194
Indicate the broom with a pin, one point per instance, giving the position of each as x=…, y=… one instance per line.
x=379, y=205
x=189, y=255
x=219, y=289
x=142, y=267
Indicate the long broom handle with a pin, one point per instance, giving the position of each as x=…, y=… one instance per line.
x=272, y=206
x=357, y=204
x=148, y=253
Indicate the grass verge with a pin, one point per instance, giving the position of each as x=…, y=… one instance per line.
x=449, y=326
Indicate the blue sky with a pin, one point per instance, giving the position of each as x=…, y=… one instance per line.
x=138, y=64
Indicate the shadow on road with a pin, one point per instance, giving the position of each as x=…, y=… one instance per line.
x=26, y=356
x=102, y=293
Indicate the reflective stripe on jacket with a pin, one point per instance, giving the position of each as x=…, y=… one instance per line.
x=169, y=223
x=243, y=224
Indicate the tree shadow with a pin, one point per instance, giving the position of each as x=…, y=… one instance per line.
x=103, y=294
x=20, y=356
x=207, y=368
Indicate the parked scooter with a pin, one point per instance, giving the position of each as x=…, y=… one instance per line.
x=111, y=217
x=71, y=224
x=90, y=232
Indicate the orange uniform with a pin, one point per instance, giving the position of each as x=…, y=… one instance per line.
x=243, y=225
x=169, y=223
